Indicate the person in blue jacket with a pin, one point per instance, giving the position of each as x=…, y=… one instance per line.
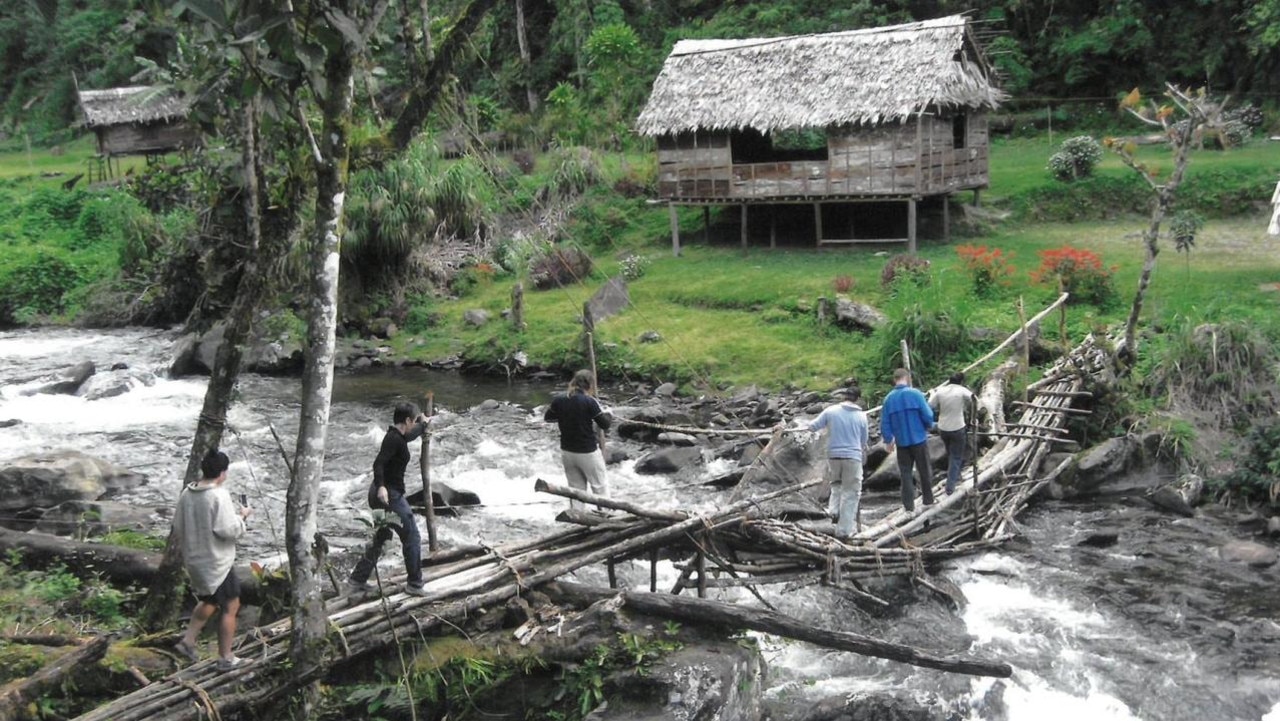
x=905, y=420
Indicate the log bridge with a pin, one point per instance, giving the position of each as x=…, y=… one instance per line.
x=743, y=544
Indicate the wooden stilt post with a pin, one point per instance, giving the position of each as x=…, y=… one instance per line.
x=817, y=223
x=517, y=307
x=702, y=574
x=675, y=230
x=911, y=225
x=946, y=218
x=706, y=225
x=424, y=463
x=773, y=227
x=589, y=327
x=743, y=215
x=1026, y=343
x=653, y=570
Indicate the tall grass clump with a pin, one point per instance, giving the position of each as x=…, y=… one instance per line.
x=573, y=170
x=1225, y=374
x=935, y=337
x=407, y=203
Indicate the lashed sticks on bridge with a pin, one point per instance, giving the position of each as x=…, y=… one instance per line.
x=740, y=544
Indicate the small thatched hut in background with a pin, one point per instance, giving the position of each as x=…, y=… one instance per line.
x=886, y=116
x=138, y=120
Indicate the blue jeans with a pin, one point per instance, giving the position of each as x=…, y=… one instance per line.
x=410, y=541
x=955, y=443
x=917, y=455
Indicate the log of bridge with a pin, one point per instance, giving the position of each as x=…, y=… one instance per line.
x=367, y=627
x=692, y=610
x=542, y=486
x=15, y=696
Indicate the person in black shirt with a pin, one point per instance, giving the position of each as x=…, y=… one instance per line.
x=576, y=413
x=387, y=492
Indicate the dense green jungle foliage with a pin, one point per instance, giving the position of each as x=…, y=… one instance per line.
x=603, y=56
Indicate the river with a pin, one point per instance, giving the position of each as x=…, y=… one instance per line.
x=1152, y=628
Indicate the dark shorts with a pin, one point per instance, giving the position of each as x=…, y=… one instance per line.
x=227, y=592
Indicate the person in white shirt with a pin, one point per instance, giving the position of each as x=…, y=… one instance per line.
x=846, y=449
x=949, y=402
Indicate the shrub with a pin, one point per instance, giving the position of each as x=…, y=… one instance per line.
x=988, y=269
x=573, y=170
x=1079, y=272
x=842, y=283
x=905, y=268
x=1076, y=158
x=633, y=266
x=1257, y=471
x=559, y=267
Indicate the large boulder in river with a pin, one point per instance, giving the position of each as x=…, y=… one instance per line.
x=66, y=381
x=1248, y=552
x=194, y=354
x=1096, y=465
x=95, y=518
x=669, y=460
x=885, y=477
x=1181, y=496
x=115, y=382
x=790, y=459
x=49, y=479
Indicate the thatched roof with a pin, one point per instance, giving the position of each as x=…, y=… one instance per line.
x=138, y=104
x=862, y=76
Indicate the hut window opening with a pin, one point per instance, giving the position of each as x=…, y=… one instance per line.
x=752, y=146
x=959, y=131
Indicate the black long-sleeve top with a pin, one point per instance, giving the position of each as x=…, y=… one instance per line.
x=575, y=414
x=393, y=457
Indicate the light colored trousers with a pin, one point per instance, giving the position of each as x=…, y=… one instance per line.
x=583, y=470
x=845, y=476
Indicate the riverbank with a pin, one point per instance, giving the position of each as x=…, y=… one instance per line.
x=1086, y=606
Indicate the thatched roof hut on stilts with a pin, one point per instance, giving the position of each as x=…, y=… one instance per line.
x=862, y=125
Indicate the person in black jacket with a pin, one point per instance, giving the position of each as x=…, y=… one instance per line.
x=577, y=414
x=387, y=493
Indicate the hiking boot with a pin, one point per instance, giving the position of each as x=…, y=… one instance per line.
x=415, y=590
x=187, y=651
x=357, y=588
x=232, y=663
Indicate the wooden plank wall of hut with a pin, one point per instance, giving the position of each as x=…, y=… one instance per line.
x=945, y=168
x=883, y=160
x=694, y=165
x=139, y=139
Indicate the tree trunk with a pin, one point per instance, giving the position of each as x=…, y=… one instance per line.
x=1163, y=202
x=305, y=547
x=526, y=58
x=160, y=609
x=424, y=95
x=16, y=696
x=714, y=613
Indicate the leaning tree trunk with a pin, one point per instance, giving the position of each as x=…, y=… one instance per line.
x=526, y=58
x=423, y=98
x=1163, y=202
x=160, y=609
x=305, y=546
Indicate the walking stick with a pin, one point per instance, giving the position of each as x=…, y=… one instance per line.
x=424, y=463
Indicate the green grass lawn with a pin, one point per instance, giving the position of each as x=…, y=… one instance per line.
x=729, y=318
x=57, y=166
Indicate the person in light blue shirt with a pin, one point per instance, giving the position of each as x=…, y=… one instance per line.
x=905, y=420
x=846, y=425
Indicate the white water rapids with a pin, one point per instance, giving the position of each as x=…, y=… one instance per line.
x=1081, y=651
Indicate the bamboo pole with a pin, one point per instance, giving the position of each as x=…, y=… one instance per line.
x=424, y=464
